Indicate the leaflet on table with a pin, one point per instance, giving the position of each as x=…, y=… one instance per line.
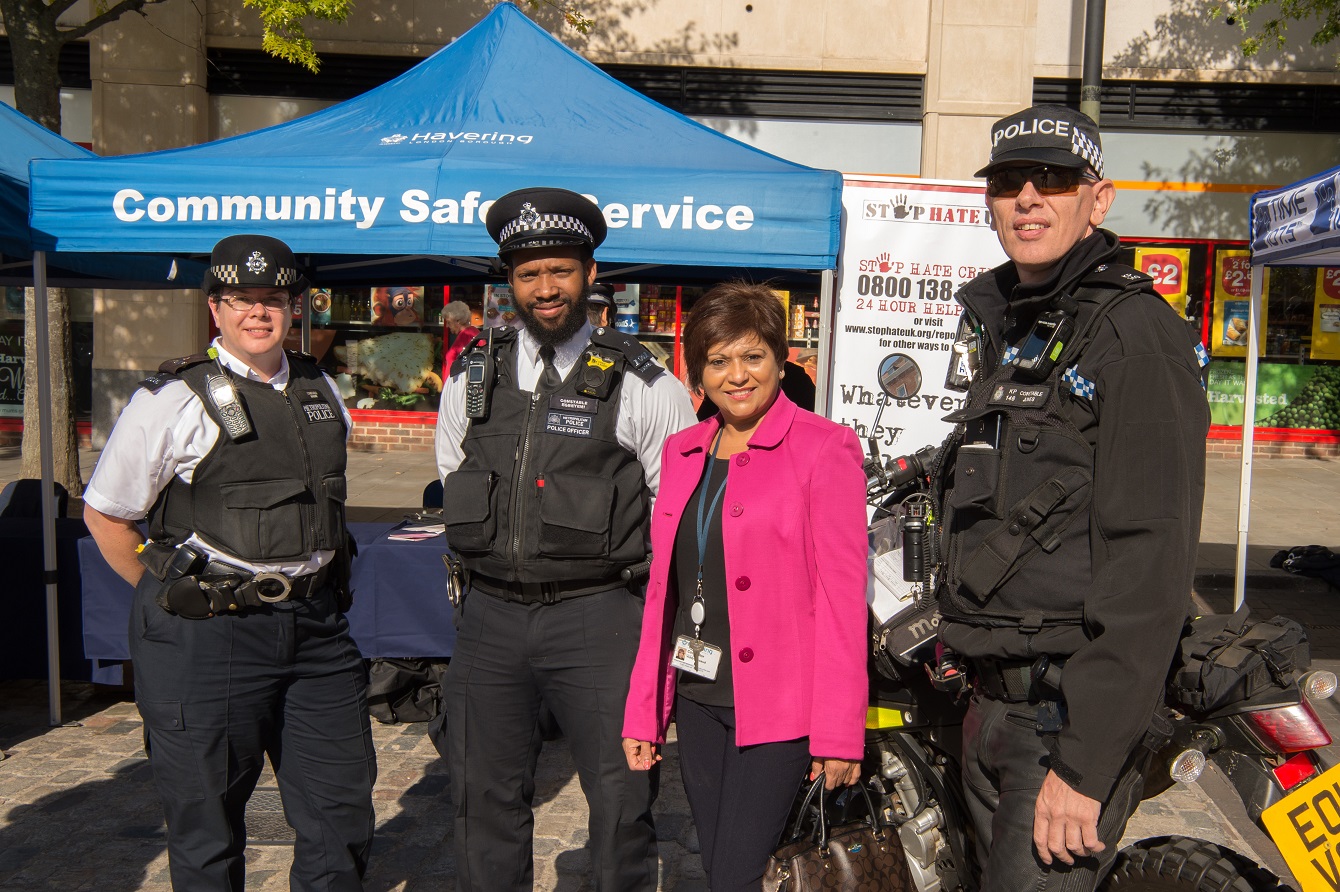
x=415, y=531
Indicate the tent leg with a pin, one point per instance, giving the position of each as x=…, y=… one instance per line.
x=48, y=483
x=1248, y=438
x=827, y=295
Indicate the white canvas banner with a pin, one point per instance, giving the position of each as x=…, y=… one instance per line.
x=907, y=247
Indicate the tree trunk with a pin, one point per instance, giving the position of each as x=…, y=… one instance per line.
x=64, y=441
x=35, y=44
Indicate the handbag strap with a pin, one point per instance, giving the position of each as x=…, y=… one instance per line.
x=821, y=838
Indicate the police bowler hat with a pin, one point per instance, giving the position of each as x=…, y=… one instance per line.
x=545, y=217
x=602, y=295
x=253, y=261
x=1046, y=134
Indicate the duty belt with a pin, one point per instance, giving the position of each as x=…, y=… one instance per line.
x=1019, y=681
x=264, y=588
x=542, y=592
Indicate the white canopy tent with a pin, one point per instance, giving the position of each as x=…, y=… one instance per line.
x=1295, y=225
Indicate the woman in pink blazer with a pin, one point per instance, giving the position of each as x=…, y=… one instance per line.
x=754, y=634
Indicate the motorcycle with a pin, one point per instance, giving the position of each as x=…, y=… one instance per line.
x=1267, y=745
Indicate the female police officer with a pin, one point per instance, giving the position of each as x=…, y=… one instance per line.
x=239, y=643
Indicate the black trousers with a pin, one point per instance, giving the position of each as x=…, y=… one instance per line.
x=740, y=796
x=1004, y=763
x=217, y=695
x=575, y=657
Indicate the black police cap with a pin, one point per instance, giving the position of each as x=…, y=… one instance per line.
x=602, y=295
x=545, y=217
x=1046, y=134
x=253, y=261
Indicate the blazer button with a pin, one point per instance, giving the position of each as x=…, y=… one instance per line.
x=742, y=459
x=746, y=654
x=742, y=583
x=736, y=509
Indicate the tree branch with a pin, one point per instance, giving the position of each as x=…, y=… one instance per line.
x=110, y=14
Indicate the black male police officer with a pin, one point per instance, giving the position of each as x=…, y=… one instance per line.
x=549, y=447
x=239, y=643
x=1072, y=503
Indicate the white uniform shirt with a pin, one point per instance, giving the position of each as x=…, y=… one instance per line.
x=648, y=413
x=164, y=434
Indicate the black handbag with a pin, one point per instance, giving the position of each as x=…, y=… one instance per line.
x=860, y=856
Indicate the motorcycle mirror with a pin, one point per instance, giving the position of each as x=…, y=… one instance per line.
x=899, y=376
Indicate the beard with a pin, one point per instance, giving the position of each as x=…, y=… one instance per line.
x=569, y=325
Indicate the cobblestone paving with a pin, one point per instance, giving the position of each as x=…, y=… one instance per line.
x=78, y=810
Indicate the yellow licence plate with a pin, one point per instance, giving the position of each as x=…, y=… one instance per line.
x=1306, y=827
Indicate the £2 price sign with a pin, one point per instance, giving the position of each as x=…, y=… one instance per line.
x=1167, y=267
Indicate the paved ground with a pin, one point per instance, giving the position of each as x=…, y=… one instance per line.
x=78, y=810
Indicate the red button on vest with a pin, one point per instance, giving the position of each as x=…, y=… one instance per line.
x=742, y=583
x=746, y=654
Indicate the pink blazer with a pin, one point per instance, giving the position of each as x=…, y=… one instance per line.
x=795, y=541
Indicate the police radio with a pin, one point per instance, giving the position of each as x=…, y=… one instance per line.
x=228, y=404
x=479, y=379
x=1045, y=343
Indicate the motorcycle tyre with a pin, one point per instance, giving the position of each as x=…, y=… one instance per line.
x=1185, y=864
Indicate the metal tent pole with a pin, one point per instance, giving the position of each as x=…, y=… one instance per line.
x=49, y=575
x=1248, y=437
x=827, y=312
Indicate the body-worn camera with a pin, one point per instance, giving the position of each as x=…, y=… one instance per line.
x=1045, y=343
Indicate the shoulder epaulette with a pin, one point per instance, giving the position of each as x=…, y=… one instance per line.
x=298, y=354
x=169, y=369
x=503, y=334
x=644, y=365
x=1116, y=275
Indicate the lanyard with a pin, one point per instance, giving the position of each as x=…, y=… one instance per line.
x=698, y=611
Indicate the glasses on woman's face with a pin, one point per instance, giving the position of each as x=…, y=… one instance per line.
x=1009, y=181
x=244, y=303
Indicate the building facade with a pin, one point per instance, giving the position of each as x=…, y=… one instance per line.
x=900, y=87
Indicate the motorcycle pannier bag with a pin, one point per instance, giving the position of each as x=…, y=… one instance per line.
x=1222, y=659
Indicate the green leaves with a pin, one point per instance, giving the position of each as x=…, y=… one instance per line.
x=285, y=35
x=1272, y=32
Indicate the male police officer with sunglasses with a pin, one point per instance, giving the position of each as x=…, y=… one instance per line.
x=237, y=633
x=549, y=442
x=1072, y=491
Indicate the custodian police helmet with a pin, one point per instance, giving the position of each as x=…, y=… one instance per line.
x=544, y=217
x=253, y=261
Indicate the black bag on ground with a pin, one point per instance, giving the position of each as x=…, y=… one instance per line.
x=1224, y=658
x=1310, y=560
x=405, y=690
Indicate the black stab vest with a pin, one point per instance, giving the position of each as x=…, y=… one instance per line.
x=546, y=493
x=1016, y=521
x=276, y=494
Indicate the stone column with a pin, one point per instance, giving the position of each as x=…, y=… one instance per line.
x=149, y=94
x=980, y=68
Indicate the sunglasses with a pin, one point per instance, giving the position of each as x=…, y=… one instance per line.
x=1009, y=182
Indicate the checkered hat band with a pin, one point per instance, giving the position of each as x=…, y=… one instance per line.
x=545, y=223
x=1087, y=149
x=227, y=275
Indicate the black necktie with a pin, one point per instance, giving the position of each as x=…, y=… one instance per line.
x=550, y=380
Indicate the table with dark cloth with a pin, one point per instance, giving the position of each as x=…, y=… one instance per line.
x=400, y=601
x=23, y=634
